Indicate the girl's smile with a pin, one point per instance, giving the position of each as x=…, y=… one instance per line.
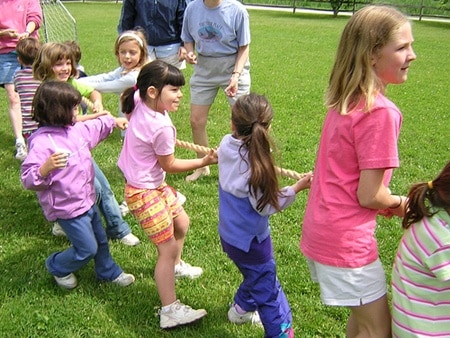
x=62, y=69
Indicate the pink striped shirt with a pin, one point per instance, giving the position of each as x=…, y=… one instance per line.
x=421, y=280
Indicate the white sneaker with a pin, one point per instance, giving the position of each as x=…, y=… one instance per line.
x=179, y=314
x=248, y=317
x=21, y=151
x=57, y=230
x=181, y=197
x=197, y=174
x=130, y=240
x=124, y=279
x=67, y=282
x=184, y=269
x=124, y=209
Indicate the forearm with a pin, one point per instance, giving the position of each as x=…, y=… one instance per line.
x=241, y=58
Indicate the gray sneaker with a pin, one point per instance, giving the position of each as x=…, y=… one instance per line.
x=124, y=279
x=184, y=269
x=179, y=314
x=241, y=318
x=57, y=230
x=130, y=240
x=21, y=151
x=67, y=282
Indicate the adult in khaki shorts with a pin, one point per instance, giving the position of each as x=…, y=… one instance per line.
x=219, y=31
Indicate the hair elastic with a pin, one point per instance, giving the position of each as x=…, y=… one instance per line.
x=135, y=87
x=131, y=35
x=430, y=184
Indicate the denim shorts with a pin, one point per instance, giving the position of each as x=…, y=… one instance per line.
x=349, y=286
x=8, y=67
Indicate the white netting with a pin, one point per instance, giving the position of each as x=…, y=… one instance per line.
x=58, y=24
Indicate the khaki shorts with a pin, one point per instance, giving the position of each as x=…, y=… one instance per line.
x=349, y=286
x=155, y=210
x=171, y=59
x=211, y=74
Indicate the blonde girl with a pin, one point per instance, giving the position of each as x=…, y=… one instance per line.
x=147, y=154
x=131, y=51
x=354, y=164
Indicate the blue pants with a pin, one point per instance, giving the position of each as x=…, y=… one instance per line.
x=116, y=227
x=260, y=290
x=89, y=241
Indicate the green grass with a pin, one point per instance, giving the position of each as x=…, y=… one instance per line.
x=291, y=58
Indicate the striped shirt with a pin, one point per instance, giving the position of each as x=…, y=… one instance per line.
x=26, y=86
x=421, y=280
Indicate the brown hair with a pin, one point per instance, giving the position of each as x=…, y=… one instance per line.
x=27, y=49
x=251, y=116
x=49, y=54
x=423, y=196
x=53, y=103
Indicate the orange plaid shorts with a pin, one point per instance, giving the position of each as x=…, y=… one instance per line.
x=155, y=210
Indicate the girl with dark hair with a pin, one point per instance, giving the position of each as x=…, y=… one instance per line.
x=59, y=168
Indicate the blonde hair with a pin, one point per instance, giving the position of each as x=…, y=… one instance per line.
x=49, y=54
x=353, y=79
x=137, y=36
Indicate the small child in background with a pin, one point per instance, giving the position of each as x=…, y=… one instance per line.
x=54, y=62
x=25, y=85
x=76, y=50
x=248, y=195
x=59, y=168
x=421, y=272
x=147, y=154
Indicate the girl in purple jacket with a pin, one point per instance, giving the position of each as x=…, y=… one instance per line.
x=59, y=168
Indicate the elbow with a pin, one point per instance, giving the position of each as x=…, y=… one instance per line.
x=365, y=201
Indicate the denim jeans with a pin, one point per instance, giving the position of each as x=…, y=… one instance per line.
x=89, y=241
x=116, y=227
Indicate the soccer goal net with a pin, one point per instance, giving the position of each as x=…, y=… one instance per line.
x=58, y=24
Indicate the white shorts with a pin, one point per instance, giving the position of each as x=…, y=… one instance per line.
x=349, y=286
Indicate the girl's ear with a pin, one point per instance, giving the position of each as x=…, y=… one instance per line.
x=152, y=92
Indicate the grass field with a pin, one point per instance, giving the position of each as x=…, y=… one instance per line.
x=291, y=58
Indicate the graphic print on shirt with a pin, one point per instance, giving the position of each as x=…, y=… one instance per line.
x=210, y=32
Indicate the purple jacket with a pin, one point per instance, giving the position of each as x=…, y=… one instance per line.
x=69, y=192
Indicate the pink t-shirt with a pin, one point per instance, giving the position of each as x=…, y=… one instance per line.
x=337, y=231
x=149, y=134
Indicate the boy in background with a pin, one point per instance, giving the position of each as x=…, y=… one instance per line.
x=24, y=83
